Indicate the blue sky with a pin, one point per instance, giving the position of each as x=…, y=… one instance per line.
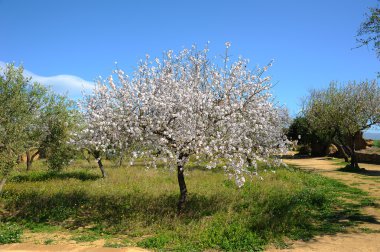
x=68, y=44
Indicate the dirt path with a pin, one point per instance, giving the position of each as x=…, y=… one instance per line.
x=25, y=247
x=357, y=240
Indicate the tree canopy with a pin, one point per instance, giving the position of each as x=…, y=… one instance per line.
x=340, y=112
x=187, y=105
x=32, y=118
x=369, y=31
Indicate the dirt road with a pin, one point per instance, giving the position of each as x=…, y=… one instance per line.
x=357, y=240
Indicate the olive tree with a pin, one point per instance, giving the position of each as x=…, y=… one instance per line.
x=15, y=93
x=343, y=111
x=31, y=118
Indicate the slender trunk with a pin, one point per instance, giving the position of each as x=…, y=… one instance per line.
x=181, y=181
x=354, y=161
x=19, y=159
x=341, y=150
x=100, y=164
x=121, y=160
x=28, y=160
x=99, y=161
x=2, y=183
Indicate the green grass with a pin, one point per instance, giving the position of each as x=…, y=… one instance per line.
x=48, y=241
x=85, y=238
x=376, y=143
x=140, y=205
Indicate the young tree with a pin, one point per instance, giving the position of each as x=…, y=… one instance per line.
x=342, y=112
x=185, y=105
x=100, y=133
x=60, y=121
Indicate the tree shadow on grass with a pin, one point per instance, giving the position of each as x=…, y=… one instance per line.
x=77, y=208
x=50, y=175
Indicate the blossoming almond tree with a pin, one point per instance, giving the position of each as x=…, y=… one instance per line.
x=100, y=133
x=185, y=105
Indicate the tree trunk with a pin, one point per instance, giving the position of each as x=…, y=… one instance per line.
x=99, y=161
x=100, y=164
x=341, y=150
x=28, y=160
x=181, y=181
x=2, y=183
x=19, y=159
x=354, y=161
x=121, y=160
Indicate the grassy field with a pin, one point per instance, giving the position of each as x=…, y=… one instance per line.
x=137, y=207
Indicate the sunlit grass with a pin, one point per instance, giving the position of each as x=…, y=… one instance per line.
x=135, y=202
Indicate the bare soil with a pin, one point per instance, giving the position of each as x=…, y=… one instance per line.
x=26, y=247
x=364, y=237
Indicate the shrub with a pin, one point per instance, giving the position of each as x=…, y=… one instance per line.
x=10, y=233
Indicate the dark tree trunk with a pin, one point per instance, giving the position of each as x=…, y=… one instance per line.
x=181, y=181
x=354, y=161
x=28, y=160
x=19, y=159
x=100, y=164
x=99, y=161
x=342, y=151
x=2, y=183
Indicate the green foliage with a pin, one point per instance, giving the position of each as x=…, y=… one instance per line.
x=15, y=93
x=137, y=203
x=300, y=127
x=60, y=120
x=342, y=112
x=10, y=233
x=376, y=143
x=33, y=118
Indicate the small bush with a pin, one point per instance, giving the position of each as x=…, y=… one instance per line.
x=231, y=236
x=10, y=233
x=304, y=150
x=157, y=242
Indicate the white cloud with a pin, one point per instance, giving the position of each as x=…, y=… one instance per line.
x=63, y=84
